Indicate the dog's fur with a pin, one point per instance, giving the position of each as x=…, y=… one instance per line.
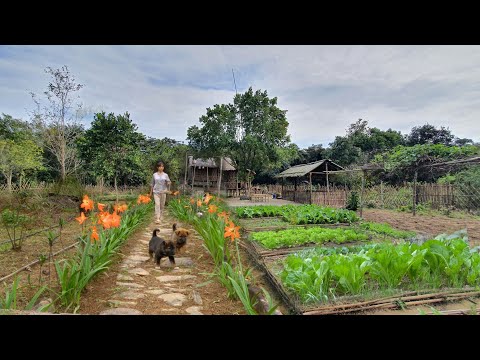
x=161, y=248
x=179, y=237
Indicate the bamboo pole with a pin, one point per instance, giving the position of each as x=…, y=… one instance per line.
x=220, y=176
x=310, y=188
x=207, y=179
x=361, y=193
x=35, y=262
x=328, y=188
x=382, y=204
x=414, y=192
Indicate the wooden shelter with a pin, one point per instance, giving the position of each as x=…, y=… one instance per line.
x=318, y=170
x=210, y=173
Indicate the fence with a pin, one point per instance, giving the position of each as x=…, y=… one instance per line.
x=436, y=196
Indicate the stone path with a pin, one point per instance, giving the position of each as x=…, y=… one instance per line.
x=174, y=286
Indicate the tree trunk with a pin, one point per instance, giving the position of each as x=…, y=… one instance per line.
x=9, y=180
x=62, y=160
x=116, y=190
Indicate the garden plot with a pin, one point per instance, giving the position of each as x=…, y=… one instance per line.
x=375, y=276
x=258, y=218
x=271, y=243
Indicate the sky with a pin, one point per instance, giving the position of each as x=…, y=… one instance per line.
x=324, y=88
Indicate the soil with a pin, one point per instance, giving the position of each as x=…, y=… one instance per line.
x=214, y=296
x=214, y=300
x=426, y=224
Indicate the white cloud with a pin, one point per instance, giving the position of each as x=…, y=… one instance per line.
x=324, y=88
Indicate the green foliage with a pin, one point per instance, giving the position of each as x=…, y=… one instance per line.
x=110, y=149
x=352, y=202
x=251, y=131
x=402, y=161
x=386, y=229
x=14, y=222
x=322, y=274
x=16, y=157
x=91, y=259
x=299, y=236
x=361, y=143
x=301, y=214
x=11, y=294
x=428, y=134
x=170, y=151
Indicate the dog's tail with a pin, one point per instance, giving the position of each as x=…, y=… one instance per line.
x=155, y=232
x=174, y=226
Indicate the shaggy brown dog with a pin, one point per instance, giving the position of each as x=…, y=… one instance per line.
x=161, y=248
x=179, y=237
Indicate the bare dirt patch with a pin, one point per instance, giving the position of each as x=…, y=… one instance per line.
x=431, y=225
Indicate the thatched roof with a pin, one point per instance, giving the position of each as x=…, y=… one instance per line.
x=211, y=163
x=303, y=169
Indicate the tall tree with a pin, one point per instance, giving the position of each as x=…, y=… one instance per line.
x=53, y=120
x=110, y=148
x=14, y=129
x=251, y=131
x=17, y=157
x=429, y=134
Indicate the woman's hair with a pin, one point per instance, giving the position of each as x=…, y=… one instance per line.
x=159, y=163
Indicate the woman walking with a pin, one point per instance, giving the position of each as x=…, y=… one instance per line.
x=160, y=187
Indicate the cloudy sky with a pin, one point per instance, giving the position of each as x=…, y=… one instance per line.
x=324, y=88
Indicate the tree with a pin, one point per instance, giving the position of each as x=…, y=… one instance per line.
x=251, y=132
x=54, y=120
x=402, y=161
x=362, y=143
x=110, y=148
x=170, y=151
x=14, y=129
x=17, y=157
x=311, y=154
x=428, y=134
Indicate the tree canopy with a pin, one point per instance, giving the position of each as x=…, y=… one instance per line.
x=252, y=132
x=110, y=149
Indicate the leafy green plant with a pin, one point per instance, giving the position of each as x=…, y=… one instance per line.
x=10, y=300
x=352, y=202
x=14, y=223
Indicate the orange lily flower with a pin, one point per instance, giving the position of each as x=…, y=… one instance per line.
x=115, y=220
x=212, y=209
x=208, y=197
x=223, y=215
x=120, y=208
x=199, y=202
x=100, y=206
x=175, y=193
x=192, y=201
x=81, y=219
x=94, y=235
x=87, y=204
x=232, y=231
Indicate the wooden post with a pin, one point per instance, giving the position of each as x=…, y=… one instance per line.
x=283, y=181
x=295, y=191
x=207, y=179
x=220, y=176
x=382, y=204
x=236, y=185
x=361, y=193
x=310, y=188
x=328, y=188
x=193, y=178
x=414, y=192
x=186, y=170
